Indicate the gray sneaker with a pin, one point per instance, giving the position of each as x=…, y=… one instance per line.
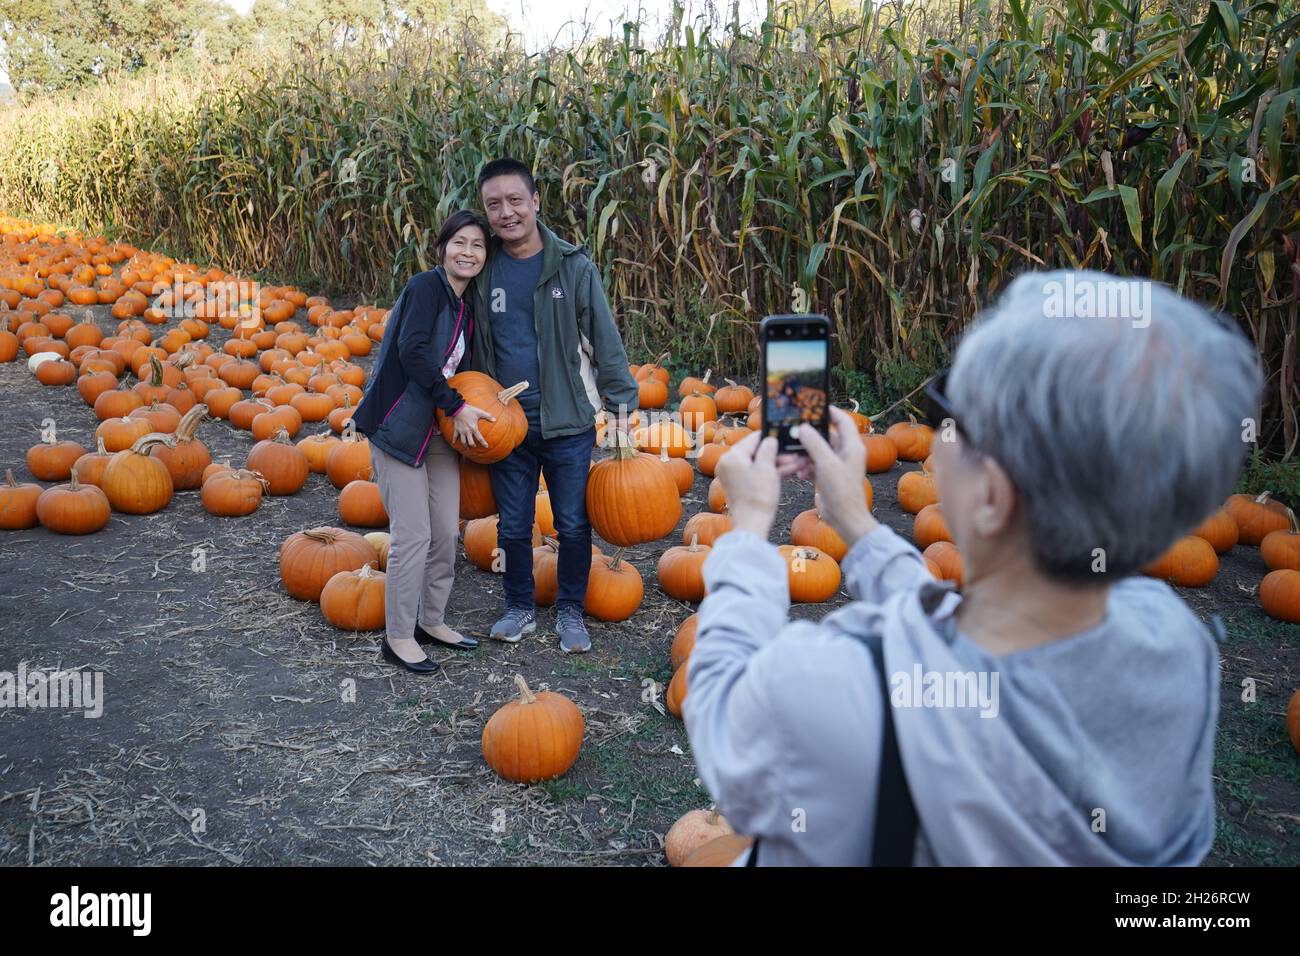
x=517, y=622
x=572, y=630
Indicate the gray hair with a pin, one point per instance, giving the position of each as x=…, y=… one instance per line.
x=1117, y=408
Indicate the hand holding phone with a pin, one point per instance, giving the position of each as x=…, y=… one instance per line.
x=795, y=365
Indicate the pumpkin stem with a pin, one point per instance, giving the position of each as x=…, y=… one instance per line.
x=282, y=436
x=506, y=394
x=707, y=373
x=695, y=542
x=526, y=696
x=9, y=477
x=623, y=447
x=155, y=372
x=73, y=484
x=731, y=382
x=145, y=442
x=99, y=445
x=323, y=535
x=658, y=362
x=1263, y=498
x=616, y=559
x=189, y=423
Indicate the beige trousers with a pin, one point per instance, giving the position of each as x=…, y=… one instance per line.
x=423, y=506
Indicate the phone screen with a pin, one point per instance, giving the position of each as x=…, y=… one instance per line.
x=796, y=377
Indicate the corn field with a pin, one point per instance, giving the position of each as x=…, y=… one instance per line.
x=891, y=172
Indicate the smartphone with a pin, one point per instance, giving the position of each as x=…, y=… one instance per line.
x=796, y=372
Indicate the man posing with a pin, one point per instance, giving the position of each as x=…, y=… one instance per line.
x=548, y=323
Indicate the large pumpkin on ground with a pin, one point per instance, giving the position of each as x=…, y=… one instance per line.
x=813, y=575
x=502, y=435
x=308, y=559
x=1256, y=515
x=681, y=571
x=614, y=588
x=1279, y=594
x=137, y=483
x=73, y=508
x=1281, y=549
x=354, y=600
x=631, y=497
x=18, y=503
x=534, y=738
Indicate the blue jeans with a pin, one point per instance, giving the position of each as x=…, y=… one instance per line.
x=565, y=462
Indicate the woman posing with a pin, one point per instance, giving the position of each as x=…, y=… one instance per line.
x=426, y=341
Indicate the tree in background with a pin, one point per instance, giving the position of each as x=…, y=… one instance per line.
x=53, y=45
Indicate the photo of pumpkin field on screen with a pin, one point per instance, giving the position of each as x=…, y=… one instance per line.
x=796, y=373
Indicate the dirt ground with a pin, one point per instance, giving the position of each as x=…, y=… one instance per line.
x=227, y=736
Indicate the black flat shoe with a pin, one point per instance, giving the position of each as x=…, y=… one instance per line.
x=424, y=637
x=425, y=666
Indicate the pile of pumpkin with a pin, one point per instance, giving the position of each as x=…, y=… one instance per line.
x=1252, y=520
x=146, y=443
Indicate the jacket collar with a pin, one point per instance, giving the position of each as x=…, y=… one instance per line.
x=452, y=297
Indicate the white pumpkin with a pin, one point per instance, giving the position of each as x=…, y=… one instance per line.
x=35, y=361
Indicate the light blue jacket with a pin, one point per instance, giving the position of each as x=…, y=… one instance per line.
x=1099, y=750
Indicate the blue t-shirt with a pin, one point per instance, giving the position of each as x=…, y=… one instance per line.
x=514, y=333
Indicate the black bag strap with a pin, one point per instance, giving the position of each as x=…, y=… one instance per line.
x=894, y=841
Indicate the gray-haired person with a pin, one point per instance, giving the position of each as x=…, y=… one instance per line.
x=1060, y=709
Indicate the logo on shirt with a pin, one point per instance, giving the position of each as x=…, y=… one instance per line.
x=557, y=292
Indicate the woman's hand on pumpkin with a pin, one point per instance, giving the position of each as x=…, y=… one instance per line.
x=751, y=483
x=464, y=425
x=838, y=467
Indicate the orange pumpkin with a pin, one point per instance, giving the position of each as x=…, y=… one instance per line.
x=733, y=398
x=360, y=504
x=947, y=561
x=1279, y=595
x=189, y=457
x=18, y=503
x=353, y=600
x=281, y=462
x=135, y=482
x=810, y=530
x=476, y=498
x=1256, y=516
x=681, y=571
x=534, y=738
x=705, y=527
x=614, y=589
x=52, y=460
x=911, y=438
x=1220, y=530
x=233, y=493
x=73, y=508
x=1281, y=549
x=308, y=559
x=916, y=489
x=349, y=460
x=631, y=498
x=930, y=526
x=882, y=453
x=813, y=575
x=1190, y=562
x=502, y=435
x=683, y=641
